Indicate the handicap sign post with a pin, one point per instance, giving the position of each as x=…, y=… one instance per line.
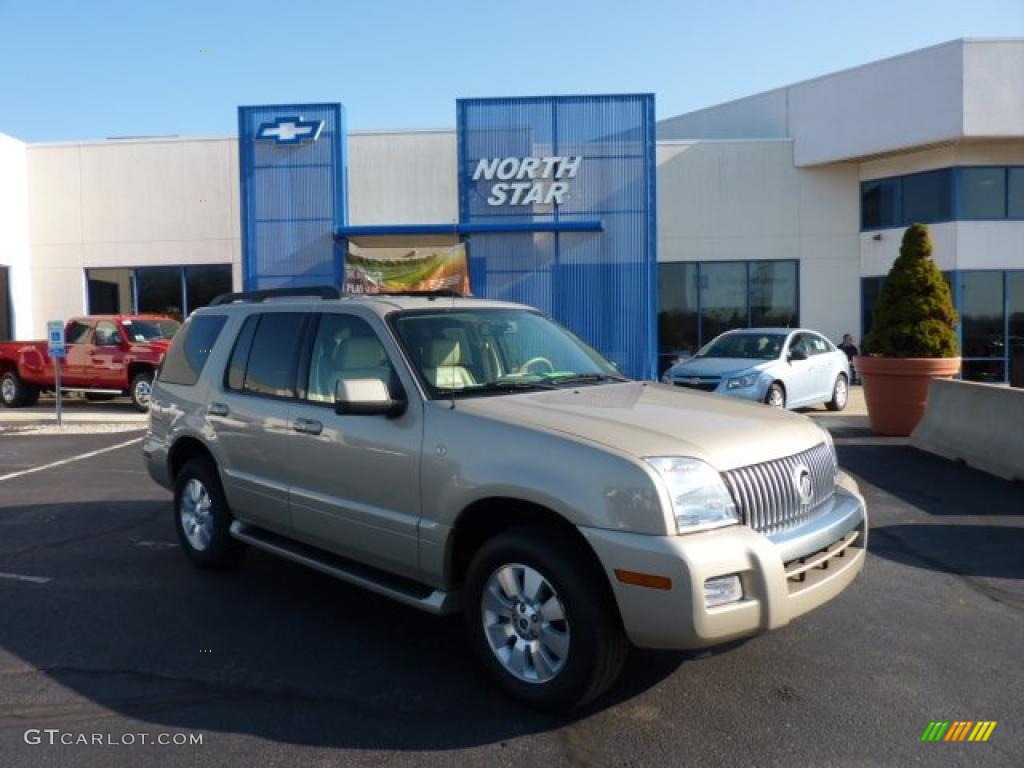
x=55, y=347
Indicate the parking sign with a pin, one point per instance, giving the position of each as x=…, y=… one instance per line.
x=55, y=338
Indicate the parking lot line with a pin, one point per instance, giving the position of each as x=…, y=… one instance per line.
x=79, y=457
x=21, y=577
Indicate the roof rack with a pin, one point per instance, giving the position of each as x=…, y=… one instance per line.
x=316, y=291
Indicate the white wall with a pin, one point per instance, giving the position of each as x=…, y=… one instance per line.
x=736, y=200
x=403, y=178
x=156, y=202
x=14, y=251
x=762, y=116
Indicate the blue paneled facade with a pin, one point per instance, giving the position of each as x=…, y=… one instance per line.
x=603, y=284
x=293, y=165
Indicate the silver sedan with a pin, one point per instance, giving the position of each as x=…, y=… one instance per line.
x=783, y=367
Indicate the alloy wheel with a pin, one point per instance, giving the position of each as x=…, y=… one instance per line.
x=196, y=511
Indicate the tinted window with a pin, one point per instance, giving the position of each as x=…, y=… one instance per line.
x=345, y=348
x=984, y=193
x=1015, y=196
x=111, y=291
x=723, y=297
x=981, y=314
x=190, y=349
x=879, y=203
x=928, y=196
x=274, y=353
x=773, y=289
x=678, y=330
x=160, y=291
x=77, y=333
x=205, y=283
x=106, y=334
x=240, y=354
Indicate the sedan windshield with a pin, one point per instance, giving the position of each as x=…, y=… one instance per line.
x=150, y=330
x=490, y=351
x=752, y=346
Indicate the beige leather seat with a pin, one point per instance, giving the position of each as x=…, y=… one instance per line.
x=443, y=365
x=351, y=358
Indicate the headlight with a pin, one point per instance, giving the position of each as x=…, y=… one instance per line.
x=699, y=497
x=741, y=382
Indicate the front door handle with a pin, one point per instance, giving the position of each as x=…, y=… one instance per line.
x=308, y=426
x=217, y=409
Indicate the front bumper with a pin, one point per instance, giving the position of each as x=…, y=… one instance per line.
x=720, y=386
x=778, y=584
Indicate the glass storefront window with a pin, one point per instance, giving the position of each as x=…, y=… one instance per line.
x=981, y=314
x=1015, y=327
x=723, y=299
x=111, y=291
x=983, y=193
x=205, y=283
x=927, y=197
x=1015, y=193
x=773, y=293
x=6, y=331
x=173, y=291
x=880, y=203
x=678, y=327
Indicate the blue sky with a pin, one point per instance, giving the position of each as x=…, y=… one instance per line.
x=96, y=68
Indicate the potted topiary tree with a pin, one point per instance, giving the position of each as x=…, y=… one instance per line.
x=912, y=338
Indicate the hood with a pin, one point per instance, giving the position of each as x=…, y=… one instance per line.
x=658, y=420
x=715, y=366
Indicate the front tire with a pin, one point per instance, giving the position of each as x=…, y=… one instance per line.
x=141, y=390
x=15, y=392
x=840, y=394
x=775, y=396
x=202, y=516
x=541, y=618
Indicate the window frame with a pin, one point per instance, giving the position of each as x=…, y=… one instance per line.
x=303, y=335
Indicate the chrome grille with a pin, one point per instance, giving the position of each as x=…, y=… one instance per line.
x=767, y=496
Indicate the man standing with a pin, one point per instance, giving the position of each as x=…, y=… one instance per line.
x=851, y=352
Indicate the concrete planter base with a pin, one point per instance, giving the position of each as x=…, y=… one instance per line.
x=896, y=389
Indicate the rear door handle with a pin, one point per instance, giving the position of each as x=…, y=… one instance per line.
x=308, y=426
x=217, y=409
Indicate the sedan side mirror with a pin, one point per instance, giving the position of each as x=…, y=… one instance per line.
x=797, y=354
x=366, y=397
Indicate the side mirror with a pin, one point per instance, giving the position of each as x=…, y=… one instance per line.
x=797, y=354
x=366, y=397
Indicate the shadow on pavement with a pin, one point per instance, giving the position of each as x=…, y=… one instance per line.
x=269, y=648
x=991, y=551
x=932, y=484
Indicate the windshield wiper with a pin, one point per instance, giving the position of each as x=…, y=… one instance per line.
x=581, y=378
x=498, y=386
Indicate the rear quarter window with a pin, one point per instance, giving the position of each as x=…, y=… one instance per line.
x=190, y=349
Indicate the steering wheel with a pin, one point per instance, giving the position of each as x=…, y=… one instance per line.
x=525, y=367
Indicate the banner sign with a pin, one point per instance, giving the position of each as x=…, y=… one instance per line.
x=404, y=270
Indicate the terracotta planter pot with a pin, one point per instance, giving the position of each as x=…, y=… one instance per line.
x=896, y=389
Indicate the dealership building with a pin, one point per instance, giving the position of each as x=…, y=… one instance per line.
x=647, y=237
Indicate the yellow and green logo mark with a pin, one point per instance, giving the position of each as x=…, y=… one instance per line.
x=958, y=730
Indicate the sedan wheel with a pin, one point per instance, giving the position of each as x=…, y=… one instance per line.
x=776, y=396
x=840, y=394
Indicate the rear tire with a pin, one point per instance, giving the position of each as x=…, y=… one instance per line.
x=141, y=390
x=202, y=517
x=15, y=392
x=840, y=394
x=558, y=641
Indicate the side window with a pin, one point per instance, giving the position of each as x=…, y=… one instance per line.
x=240, y=354
x=190, y=349
x=345, y=347
x=799, y=342
x=78, y=333
x=818, y=346
x=271, y=367
x=106, y=334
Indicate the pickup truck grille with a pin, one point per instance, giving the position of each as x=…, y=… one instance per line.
x=768, y=495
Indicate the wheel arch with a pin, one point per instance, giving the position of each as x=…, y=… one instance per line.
x=183, y=450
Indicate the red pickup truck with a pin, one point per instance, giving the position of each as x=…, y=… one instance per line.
x=107, y=355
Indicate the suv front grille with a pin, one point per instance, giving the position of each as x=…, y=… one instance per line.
x=768, y=497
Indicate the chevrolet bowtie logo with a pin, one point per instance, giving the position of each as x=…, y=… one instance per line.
x=290, y=130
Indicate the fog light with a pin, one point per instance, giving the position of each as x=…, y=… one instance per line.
x=721, y=590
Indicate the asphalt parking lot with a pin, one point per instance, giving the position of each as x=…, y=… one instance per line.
x=105, y=628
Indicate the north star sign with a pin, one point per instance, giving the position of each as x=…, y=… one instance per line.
x=527, y=180
x=290, y=130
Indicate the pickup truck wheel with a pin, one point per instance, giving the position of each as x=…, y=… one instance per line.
x=142, y=388
x=202, y=517
x=15, y=393
x=840, y=394
x=541, y=619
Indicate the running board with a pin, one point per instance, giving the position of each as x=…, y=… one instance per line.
x=403, y=590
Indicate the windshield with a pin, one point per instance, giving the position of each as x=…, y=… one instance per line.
x=150, y=330
x=482, y=351
x=752, y=346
